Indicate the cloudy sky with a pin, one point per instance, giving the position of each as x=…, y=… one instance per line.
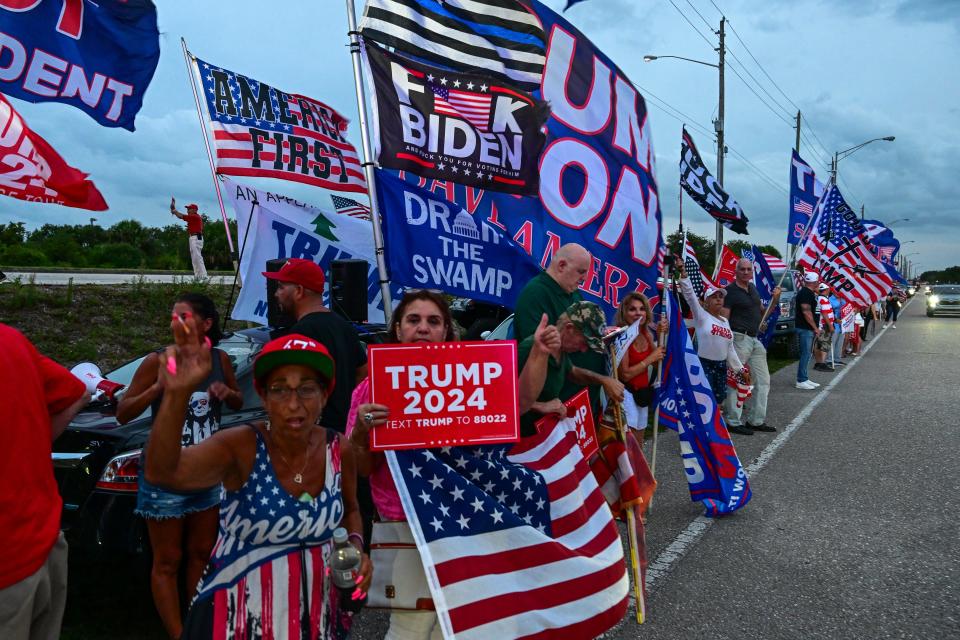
x=857, y=69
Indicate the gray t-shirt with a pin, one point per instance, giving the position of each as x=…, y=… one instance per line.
x=746, y=308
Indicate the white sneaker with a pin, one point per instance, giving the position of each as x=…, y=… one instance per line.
x=894, y=326
x=885, y=326
x=815, y=384
x=806, y=385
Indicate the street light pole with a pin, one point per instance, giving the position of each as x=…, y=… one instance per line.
x=840, y=155
x=718, y=125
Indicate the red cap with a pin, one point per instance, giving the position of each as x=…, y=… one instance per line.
x=294, y=349
x=192, y=206
x=305, y=273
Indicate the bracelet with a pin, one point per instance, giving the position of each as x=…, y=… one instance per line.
x=356, y=536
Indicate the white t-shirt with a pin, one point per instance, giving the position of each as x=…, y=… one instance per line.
x=714, y=337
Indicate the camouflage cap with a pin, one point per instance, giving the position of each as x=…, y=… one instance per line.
x=589, y=319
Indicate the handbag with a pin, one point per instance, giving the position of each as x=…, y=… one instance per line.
x=399, y=580
x=643, y=396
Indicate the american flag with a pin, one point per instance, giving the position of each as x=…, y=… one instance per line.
x=265, y=132
x=516, y=542
x=839, y=249
x=698, y=278
x=802, y=207
x=885, y=254
x=350, y=207
x=738, y=384
x=471, y=106
x=775, y=263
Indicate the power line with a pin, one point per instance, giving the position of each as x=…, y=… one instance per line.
x=697, y=11
x=769, y=77
x=692, y=26
x=757, y=82
x=765, y=103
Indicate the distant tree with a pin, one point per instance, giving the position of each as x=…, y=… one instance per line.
x=120, y=255
x=702, y=246
x=23, y=255
x=12, y=234
x=950, y=275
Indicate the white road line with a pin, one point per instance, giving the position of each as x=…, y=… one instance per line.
x=659, y=568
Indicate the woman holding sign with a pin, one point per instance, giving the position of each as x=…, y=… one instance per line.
x=421, y=316
x=287, y=485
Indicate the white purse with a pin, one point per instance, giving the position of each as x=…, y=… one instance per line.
x=399, y=581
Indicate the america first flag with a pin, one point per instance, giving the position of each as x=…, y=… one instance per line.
x=517, y=541
x=840, y=250
x=261, y=131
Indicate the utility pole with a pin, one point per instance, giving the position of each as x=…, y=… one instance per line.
x=797, y=145
x=833, y=169
x=863, y=209
x=718, y=126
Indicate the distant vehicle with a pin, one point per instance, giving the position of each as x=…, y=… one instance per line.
x=785, y=329
x=95, y=461
x=943, y=299
x=503, y=331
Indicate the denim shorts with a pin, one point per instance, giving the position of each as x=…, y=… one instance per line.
x=159, y=504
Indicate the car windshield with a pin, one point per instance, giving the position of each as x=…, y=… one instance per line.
x=786, y=284
x=240, y=348
x=951, y=290
x=504, y=331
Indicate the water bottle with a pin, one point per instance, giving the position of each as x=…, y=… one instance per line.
x=344, y=563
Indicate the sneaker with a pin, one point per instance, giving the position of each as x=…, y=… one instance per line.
x=823, y=367
x=885, y=326
x=762, y=427
x=815, y=384
x=894, y=326
x=806, y=385
x=839, y=363
x=741, y=429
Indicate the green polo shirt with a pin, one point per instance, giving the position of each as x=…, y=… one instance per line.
x=552, y=385
x=543, y=295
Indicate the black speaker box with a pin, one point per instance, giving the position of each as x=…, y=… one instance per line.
x=348, y=289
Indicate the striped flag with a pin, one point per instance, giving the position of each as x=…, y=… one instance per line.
x=498, y=37
x=775, y=263
x=840, y=250
x=698, y=278
x=472, y=106
x=516, y=541
x=738, y=384
x=350, y=207
x=261, y=131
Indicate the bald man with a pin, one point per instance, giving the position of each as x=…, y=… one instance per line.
x=551, y=292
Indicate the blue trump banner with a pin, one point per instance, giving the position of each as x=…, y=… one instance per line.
x=433, y=243
x=98, y=57
x=687, y=405
x=765, y=283
x=597, y=182
x=805, y=191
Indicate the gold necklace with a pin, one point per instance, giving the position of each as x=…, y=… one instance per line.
x=297, y=477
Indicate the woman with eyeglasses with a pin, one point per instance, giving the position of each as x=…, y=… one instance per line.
x=182, y=523
x=287, y=485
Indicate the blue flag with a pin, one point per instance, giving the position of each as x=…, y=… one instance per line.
x=765, y=283
x=570, y=3
x=432, y=243
x=597, y=181
x=98, y=57
x=687, y=405
x=805, y=191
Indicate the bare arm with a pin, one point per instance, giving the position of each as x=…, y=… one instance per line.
x=59, y=421
x=534, y=374
x=808, y=315
x=227, y=391
x=143, y=390
x=351, y=509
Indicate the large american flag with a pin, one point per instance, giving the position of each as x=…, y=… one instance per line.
x=698, y=278
x=265, y=132
x=839, y=249
x=516, y=542
x=472, y=106
x=775, y=263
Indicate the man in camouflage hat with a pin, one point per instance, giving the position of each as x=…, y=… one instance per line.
x=581, y=328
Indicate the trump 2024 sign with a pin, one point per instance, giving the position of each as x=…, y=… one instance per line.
x=444, y=394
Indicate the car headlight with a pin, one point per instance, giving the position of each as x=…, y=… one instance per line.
x=933, y=300
x=120, y=474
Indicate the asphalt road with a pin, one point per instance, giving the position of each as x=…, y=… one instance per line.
x=62, y=278
x=852, y=529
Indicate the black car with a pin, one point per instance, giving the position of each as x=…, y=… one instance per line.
x=95, y=461
x=476, y=316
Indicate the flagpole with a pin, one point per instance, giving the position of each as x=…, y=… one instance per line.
x=368, y=164
x=631, y=514
x=188, y=60
x=656, y=411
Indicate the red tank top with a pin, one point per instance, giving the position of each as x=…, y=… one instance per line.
x=635, y=356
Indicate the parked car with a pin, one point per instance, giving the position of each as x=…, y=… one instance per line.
x=943, y=299
x=785, y=329
x=503, y=331
x=476, y=316
x=95, y=461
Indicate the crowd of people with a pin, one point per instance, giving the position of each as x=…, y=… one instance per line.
x=235, y=510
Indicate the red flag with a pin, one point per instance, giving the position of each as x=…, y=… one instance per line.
x=726, y=268
x=30, y=169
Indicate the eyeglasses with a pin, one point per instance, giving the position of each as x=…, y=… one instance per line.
x=304, y=392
